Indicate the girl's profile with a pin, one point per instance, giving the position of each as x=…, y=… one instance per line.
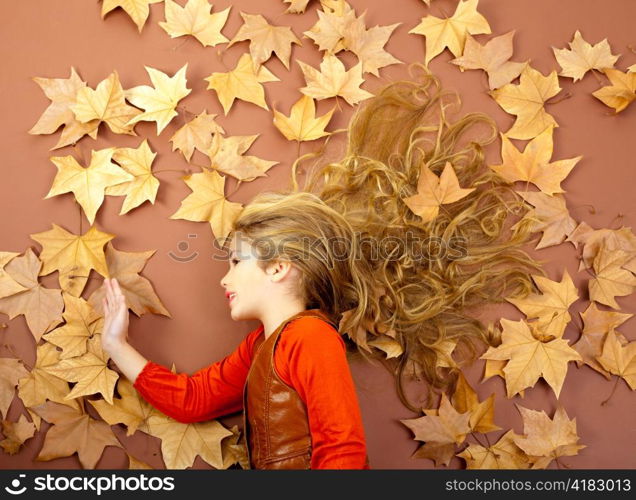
x=327, y=269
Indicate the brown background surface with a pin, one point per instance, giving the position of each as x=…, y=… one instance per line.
x=45, y=38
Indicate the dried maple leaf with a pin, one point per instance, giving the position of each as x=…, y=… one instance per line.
x=16, y=433
x=72, y=256
x=619, y=359
x=533, y=164
x=131, y=410
x=547, y=439
x=41, y=307
x=526, y=101
x=333, y=80
x=530, y=358
x=159, y=102
x=143, y=187
x=11, y=370
x=610, y=280
x=138, y=10
x=62, y=92
x=492, y=58
x=596, y=325
x=451, y=32
x=342, y=30
x=433, y=191
x=241, y=83
x=302, y=124
x=90, y=372
x=622, y=91
x=482, y=413
x=88, y=184
x=550, y=215
x=504, y=454
x=82, y=322
x=226, y=156
x=391, y=347
x=551, y=305
x=105, y=104
x=441, y=454
x=592, y=239
x=195, y=19
x=265, y=39
x=234, y=450
x=137, y=290
x=39, y=385
x=196, y=134
x=74, y=431
x=583, y=57
x=8, y=286
x=299, y=6
x=207, y=203
x=444, y=426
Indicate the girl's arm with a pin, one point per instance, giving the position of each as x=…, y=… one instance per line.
x=209, y=393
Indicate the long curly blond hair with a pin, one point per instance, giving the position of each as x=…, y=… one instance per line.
x=348, y=229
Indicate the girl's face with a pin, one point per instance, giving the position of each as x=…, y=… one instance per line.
x=250, y=290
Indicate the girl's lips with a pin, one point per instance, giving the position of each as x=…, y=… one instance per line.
x=231, y=298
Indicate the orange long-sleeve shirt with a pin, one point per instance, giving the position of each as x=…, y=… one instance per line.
x=310, y=357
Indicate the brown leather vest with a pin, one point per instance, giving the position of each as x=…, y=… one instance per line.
x=276, y=427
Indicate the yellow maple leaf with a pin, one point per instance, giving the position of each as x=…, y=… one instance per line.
x=296, y=6
x=596, y=325
x=196, y=134
x=492, y=58
x=333, y=80
x=550, y=215
x=526, y=101
x=582, y=57
x=73, y=256
x=226, y=156
x=41, y=307
x=619, y=359
x=143, y=187
x=159, y=103
x=137, y=290
x=451, y=32
x=551, y=305
x=131, y=409
x=8, y=286
x=81, y=323
x=443, y=426
x=16, y=434
x=610, y=280
x=11, y=371
x=302, y=124
x=241, y=83
x=368, y=44
x=62, y=92
x=482, y=413
x=72, y=431
x=547, y=439
x=39, y=385
x=504, y=454
x=90, y=372
x=332, y=27
x=433, y=191
x=530, y=358
x=533, y=164
x=621, y=93
x=105, y=104
x=265, y=39
x=182, y=442
x=138, y=10
x=87, y=184
x=207, y=203
x=195, y=19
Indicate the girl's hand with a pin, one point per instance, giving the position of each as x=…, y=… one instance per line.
x=115, y=315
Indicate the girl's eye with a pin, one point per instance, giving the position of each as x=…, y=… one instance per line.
x=234, y=261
